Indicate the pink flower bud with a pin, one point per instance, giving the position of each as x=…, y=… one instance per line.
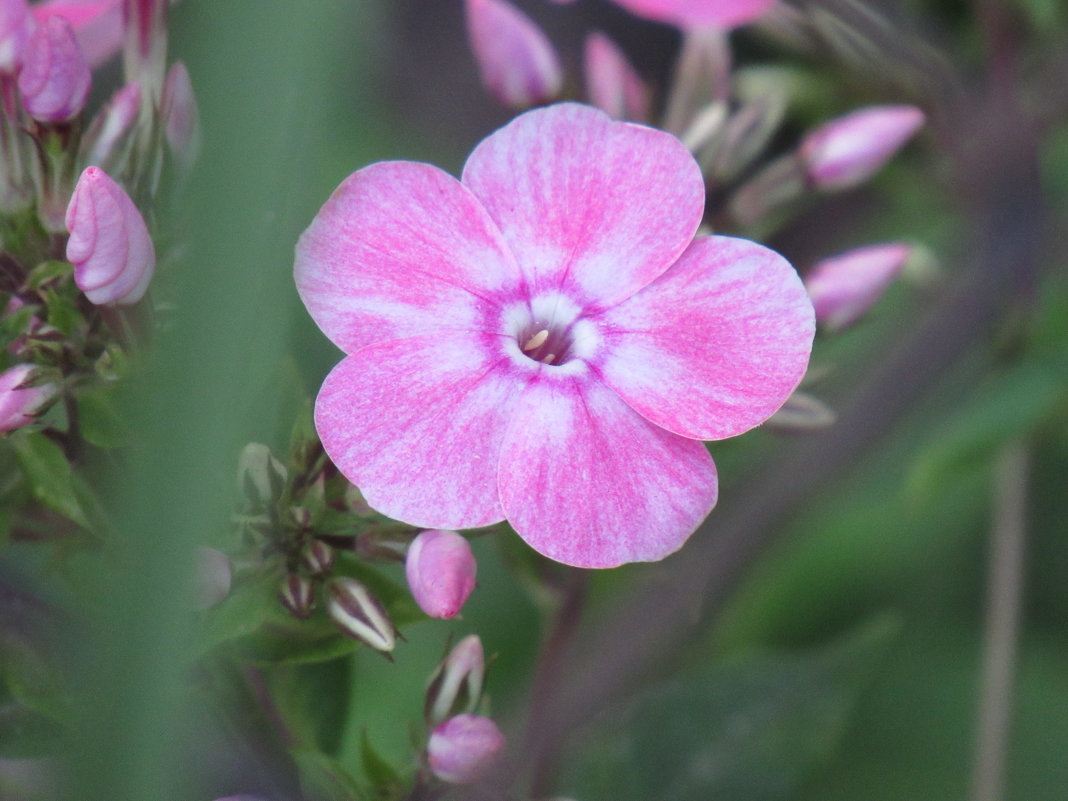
x=297, y=595
x=113, y=122
x=55, y=78
x=848, y=150
x=699, y=13
x=109, y=245
x=19, y=405
x=359, y=614
x=441, y=572
x=844, y=287
x=317, y=558
x=463, y=749
x=15, y=28
x=211, y=578
x=181, y=118
x=612, y=83
x=518, y=63
x=457, y=683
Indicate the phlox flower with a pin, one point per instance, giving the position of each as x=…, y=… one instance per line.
x=544, y=340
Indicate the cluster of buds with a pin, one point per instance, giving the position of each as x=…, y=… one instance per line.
x=462, y=746
x=76, y=184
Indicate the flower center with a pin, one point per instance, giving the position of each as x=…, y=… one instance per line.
x=546, y=343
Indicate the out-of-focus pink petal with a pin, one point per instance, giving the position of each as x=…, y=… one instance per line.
x=518, y=63
x=715, y=345
x=612, y=83
x=98, y=24
x=400, y=249
x=699, y=13
x=844, y=287
x=587, y=203
x=109, y=244
x=181, y=117
x=587, y=481
x=15, y=29
x=417, y=424
x=55, y=77
x=849, y=150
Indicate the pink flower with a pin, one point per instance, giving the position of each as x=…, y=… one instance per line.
x=441, y=572
x=109, y=245
x=97, y=23
x=849, y=150
x=844, y=287
x=699, y=13
x=612, y=83
x=55, y=78
x=545, y=341
x=18, y=406
x=516, y=59
x=463, y=748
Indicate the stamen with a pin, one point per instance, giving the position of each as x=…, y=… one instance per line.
x=537, y=340
x=549, y=359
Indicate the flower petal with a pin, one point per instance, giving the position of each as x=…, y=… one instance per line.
x=697, y=13
x=588, y=482
x=400, y=249
x=714, y=346
x=417, y=425
x=587, y=202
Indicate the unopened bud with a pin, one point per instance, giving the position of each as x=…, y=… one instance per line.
x=55, y=78
x=113, y=123
x=20, y=400
x=109, y=245
x=849, y=150
x=699, y=13
x=359, y=614
x=260, y=475
x=457, y=683
x=844, y=287
x=515, y=58
x=212, y=577
x=612, y=84
x=297, y=595
x=317, y=558
x=802, y=412
x=441, y=572
x=98, y=24
x=15, y=29
x=464, y=748
x=300, y=517
x=181, y=118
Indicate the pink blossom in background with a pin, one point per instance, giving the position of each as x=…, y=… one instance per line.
x=98, y=24
x=440, y=569
x=612, y=84
x=55, y=77
x=699, y=13
x=15, y=28
x=515, y=58
x=464, y=748
x=19, y=405
x=181, y=117
x=109, y=244
x=844, y=287
x=545, y=341
x=849, y=150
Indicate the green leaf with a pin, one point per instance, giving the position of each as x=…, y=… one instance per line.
x=314, y=701
x=49, y=271
x=748, y=730
x=325, y=779
x=99, y=420
x=1013, y=405
x=49, y=476
x=385, y=780
x=62, y=311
